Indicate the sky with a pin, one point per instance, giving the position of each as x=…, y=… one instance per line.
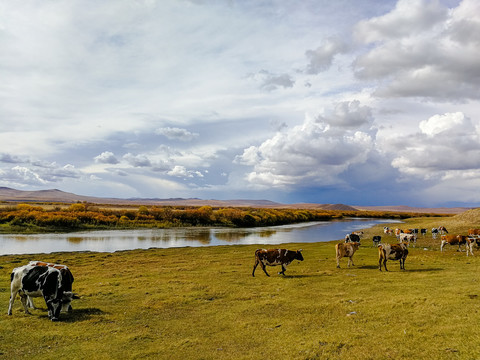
x=361, y=102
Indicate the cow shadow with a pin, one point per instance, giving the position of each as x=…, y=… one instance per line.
x=367, y=267
x=425, y=269
x=81, y=315
x=300, y=276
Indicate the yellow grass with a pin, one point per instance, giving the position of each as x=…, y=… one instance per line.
x=203, y=303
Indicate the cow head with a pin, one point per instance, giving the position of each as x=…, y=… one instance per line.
x=54, y=306
x=299, y=255
x=355, y=245
x=67, y=298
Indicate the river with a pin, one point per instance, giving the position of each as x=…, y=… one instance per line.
x=114, y=240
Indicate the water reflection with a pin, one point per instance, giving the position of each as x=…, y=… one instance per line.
x=113, y=240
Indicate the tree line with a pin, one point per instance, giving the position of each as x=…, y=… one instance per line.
x=79, y=216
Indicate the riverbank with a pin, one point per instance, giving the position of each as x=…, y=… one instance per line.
x=48, y=218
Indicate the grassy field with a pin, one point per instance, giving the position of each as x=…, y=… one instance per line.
x=203, y=303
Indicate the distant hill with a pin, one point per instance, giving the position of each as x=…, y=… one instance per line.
x=471, y=216
x=55, y=195
x=403, y=208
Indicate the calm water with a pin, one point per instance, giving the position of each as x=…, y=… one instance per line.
x=113, y=240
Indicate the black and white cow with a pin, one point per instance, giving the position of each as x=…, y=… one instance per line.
x=67, y=281
x=272, y=257
x=352, y=238
x=377, y=239
x=36, y=281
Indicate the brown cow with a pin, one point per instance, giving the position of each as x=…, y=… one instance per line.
x=346, y=250
x=474, y=232
x=458, y=240
x=272, y=257
x=392, y=252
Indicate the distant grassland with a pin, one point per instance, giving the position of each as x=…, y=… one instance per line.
x=203, y=303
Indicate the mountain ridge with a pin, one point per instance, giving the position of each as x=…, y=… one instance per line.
x=55, y=195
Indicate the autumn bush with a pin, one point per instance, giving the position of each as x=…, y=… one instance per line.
x=80, y=216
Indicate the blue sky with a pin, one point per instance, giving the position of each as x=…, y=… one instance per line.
x=360, y=102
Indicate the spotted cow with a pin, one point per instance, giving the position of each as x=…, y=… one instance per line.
x=67, y=281
x=473, y=232
x=407, y=239
x=346, y=250
x=273, y=257
x=45, y=281
x=458, y=240
x=352, y=238
x=392, y=252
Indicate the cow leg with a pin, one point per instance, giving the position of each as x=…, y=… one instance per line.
x=30, y=303
x=13, y=295
x=380, y=264
x=385, y=264
x=338, y=262
x=350, y=261
x=23, y=298
x=264, y=268
x=283, y=270
x=255, y=266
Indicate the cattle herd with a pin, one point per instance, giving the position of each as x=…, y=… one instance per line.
x=397, y=251
x=54, y=282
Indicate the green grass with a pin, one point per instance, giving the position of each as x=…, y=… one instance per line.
x=203, y=303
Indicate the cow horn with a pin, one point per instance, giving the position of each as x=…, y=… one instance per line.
x=300, y=250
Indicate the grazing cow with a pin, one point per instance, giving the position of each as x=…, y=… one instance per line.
x=434, y=233
x=67, y=281
x=272, y=257
x=376, y=240
x=346, y=250
x=398, y=232
x=408, y=238
x=46, y=281
x=352, y=238
x=423, y=232
x=469, y=245
x=442, y=230
x=392, y=252
x=359, y=233
x=473, y=232
x=457, y=240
